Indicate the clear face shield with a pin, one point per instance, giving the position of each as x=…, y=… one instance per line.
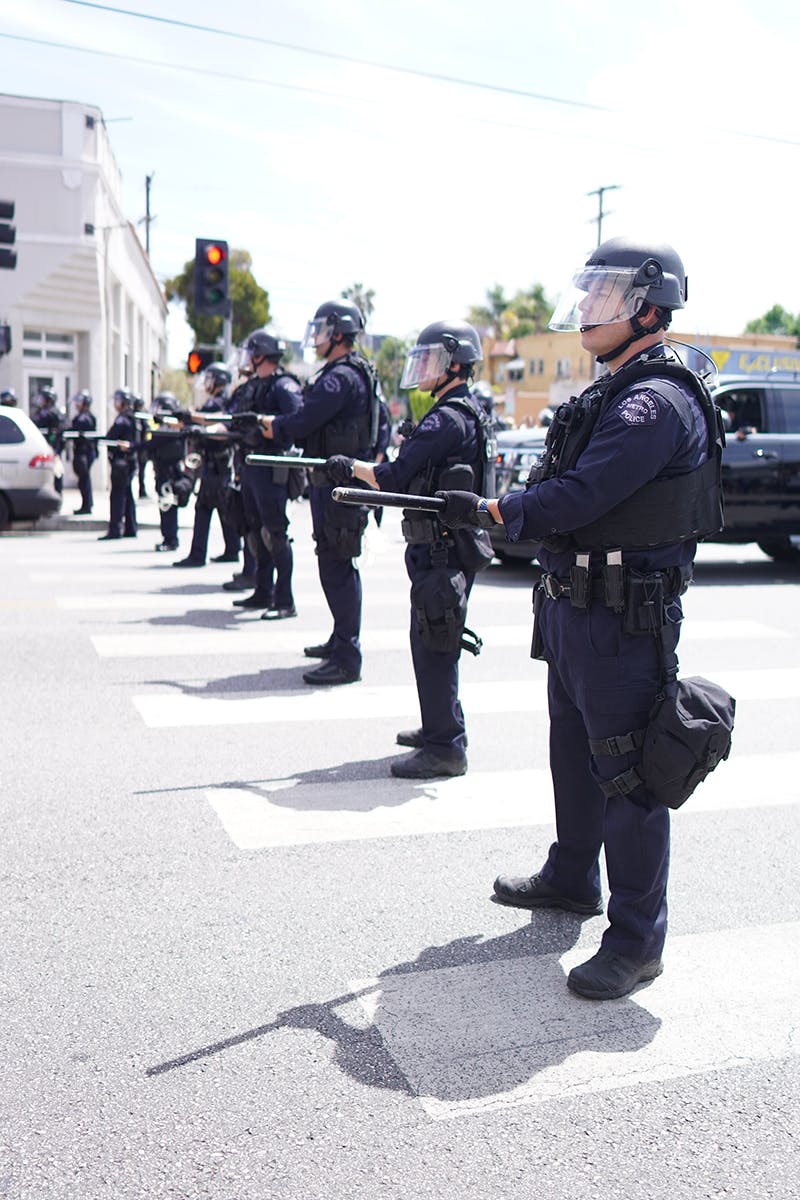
x=600, y=296
x=424, y=365
x=319, y=333
x=244, y=364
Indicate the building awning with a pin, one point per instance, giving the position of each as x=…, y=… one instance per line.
x=516, y=364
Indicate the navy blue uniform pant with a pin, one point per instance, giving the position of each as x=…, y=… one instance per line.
x=436, y=673
x=122, y=507
x=168, y=518
x=602, y=682
x=341, y=584
x=82, y=465
x=264, y=504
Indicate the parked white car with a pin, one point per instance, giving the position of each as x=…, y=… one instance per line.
x=28, y=470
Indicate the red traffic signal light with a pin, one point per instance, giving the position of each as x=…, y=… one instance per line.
x=211, y=292
x=199, y=359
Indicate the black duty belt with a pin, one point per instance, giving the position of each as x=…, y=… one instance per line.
x=560, y=589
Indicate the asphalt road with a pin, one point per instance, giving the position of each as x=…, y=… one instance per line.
x=240, y=961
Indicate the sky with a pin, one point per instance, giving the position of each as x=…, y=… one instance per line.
x=430, y=149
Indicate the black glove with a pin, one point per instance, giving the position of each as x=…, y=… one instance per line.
x=339, y=469
x=461, y=510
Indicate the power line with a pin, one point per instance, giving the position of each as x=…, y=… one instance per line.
x=362, y=62
x=172, y=66
x=289, y=87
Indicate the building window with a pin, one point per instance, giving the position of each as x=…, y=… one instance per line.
x=38, y=343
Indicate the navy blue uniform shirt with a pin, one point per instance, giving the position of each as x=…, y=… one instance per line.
x=437, y=440
x=278, y=395
x=640, y=436
x=339, y=392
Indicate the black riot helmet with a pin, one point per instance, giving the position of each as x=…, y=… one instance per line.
x=445, y=347
x=124, y=397
x=334, y=320
x=83, y=398
x=8, y=397
x=164, y=404
x=619, y=279
x=217, y=377
x=48, y=395
x=261, y=345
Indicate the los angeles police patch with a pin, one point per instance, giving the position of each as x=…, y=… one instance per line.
x=640, y=408
x=431, y=423
x=331, y=382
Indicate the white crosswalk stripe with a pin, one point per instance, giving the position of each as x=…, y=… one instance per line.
x=280, y=639
x=290, y=812
x=465, y=1053
x=167, y=710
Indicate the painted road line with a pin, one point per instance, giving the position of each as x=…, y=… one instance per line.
x=503, y=1033
x=240, y=640
x=296, y=812
x=163, y=710
x=166, y=710
x=270, y=638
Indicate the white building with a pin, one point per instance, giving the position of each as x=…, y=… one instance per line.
x=85, y=309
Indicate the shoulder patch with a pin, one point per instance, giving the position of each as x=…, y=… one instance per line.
x=331, y=382
x=639, y=408
x=430, y=423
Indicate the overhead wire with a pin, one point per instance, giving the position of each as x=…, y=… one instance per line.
x=258, y=39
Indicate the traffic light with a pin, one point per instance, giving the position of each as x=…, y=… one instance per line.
x=200, y=358
x=211, y=294
x=8, y=235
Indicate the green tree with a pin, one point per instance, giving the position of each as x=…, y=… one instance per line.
x=776, y=320
x=249, y=301
x=389, y=364
x=492, y=311
x=528, y=311
x=363, y=298
x=176, y=381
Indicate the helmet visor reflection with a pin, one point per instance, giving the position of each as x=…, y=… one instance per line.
x=425, y=364
x=318, y=330
x=599, y=296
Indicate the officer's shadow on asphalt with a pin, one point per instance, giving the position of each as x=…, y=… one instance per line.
x=473, y=1024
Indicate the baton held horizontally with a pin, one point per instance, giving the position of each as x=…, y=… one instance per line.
x=283, y=460
x=388, y=499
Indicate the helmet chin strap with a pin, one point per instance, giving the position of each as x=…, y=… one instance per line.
x=449, y=376
x=639, y=331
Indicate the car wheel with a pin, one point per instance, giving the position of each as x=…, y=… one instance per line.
x=5, y=512
x=782, y=549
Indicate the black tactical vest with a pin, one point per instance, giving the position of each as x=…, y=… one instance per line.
x=351, y=434
x=667, y=509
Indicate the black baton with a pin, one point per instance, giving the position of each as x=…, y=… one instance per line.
x=388, y=499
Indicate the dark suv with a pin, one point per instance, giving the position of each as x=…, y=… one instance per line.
x=760, y=467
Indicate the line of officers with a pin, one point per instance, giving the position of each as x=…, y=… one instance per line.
x=338, y=417
x=629, y=479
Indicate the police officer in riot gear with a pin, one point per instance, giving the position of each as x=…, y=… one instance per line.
x=629, y=479
x=166, y=449
x=8, y=397
x=122, y=459
x=340, y=415
x=215, y=474
x=452, y=446
x=265, y=490
x=49, y=418
x=84, y=450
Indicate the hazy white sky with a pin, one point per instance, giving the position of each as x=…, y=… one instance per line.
x=331, y=171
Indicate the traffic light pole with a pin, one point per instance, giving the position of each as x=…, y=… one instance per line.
x=227, y=335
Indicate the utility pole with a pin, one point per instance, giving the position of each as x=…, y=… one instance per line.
x=600, y=192
x=148, y=219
